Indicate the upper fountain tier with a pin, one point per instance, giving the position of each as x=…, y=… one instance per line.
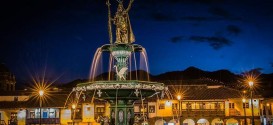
x=122, y=61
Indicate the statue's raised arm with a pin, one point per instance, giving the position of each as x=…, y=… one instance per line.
x=129, y=6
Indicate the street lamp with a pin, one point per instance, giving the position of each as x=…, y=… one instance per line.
x=179, y=109
x=41, y=93
x=74, y=109
x=251, y=83
x=244, y=106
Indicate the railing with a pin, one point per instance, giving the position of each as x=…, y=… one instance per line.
x=234, y=112
x=43, y=121
x=200, y=112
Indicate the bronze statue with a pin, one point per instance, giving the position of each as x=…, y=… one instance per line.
x=124, y=33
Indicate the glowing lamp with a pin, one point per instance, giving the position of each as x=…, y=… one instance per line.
x=41, y=92
x=244, y=100
x=250, y=83
x=178, y=97
x=73, y=106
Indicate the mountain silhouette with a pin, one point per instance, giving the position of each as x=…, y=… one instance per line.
x=190, y=76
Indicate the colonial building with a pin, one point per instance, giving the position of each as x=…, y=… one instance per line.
x=203, y=105
x=266, y=111
x=199, y=104
x=7, y=79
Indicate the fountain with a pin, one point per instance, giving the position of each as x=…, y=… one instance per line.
x=120, y=91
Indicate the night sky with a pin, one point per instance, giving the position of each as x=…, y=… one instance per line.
x=63, y=35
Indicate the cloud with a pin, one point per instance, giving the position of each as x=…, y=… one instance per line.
x=169, y=17
x=214, y=41
x=162, y=17
x=232, y=29
x=207, y=18
x=217, y=11
x=176, y=39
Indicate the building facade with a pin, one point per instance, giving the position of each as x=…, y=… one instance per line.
x=199, y=105
x=7, y=79
x=266, y=111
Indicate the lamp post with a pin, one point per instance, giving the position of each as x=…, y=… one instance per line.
x=41, y=93
x=251, y=83
x=179, y=107
x=74, y=109
x=244, y=106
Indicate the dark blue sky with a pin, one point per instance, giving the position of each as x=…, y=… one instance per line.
x=209, y=34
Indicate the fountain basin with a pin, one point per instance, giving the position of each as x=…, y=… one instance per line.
x=128, y=90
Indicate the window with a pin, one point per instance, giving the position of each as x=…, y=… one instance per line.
x=161, y=106
x=143, y=109
x=246, y=105
x=32, y=114
x=151, y=109
x=203, y=105
x=188, y=105
x=136, y=109
x=217, y=106
x=15, y=98
x=231, y=105
x=100, y=109
x=52, y=114
x=45, y=115
x=174, y=106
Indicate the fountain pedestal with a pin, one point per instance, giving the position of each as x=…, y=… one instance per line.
x=122, y=113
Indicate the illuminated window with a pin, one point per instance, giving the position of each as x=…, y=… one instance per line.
x=203, y=105
x=217, y=106
x=174, y=106
x=246, y=105
x=231, y=105
x=151, y=109
x=32, y=114
x=100, y=109
x=161, y=106
x=141, y=108
x=188, y=105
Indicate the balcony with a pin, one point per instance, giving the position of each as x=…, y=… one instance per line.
x=201, y=112
x=234, y=112
x=43, y=121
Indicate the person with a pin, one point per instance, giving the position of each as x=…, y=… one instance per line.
x=124, y=33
